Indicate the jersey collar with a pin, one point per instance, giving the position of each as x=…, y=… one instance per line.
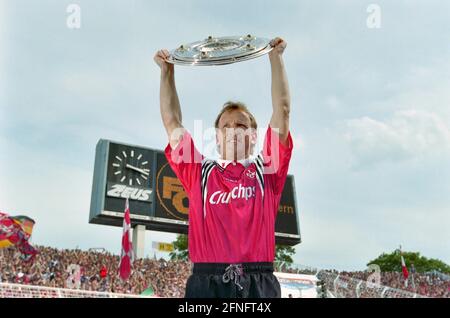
x=245, y=162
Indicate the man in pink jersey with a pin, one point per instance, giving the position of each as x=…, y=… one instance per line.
x=233, y=201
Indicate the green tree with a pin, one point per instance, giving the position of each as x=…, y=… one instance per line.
x=283, y=253
x=180, y=248
x=392, y=262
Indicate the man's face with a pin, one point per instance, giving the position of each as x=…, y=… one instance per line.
x=235, y=137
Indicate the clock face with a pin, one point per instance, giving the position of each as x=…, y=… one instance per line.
x=130, y=172
x=131, y=167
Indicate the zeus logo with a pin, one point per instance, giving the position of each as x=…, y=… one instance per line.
x=122, y=191
x=237, y=193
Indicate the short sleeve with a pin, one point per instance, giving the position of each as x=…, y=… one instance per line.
x=276, y=158
x=185, y=161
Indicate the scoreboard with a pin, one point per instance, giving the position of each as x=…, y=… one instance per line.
x=156, y=197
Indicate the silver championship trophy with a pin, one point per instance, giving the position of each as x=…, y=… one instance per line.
x=220, y=51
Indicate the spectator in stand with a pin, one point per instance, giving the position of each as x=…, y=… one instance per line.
x=166, y=278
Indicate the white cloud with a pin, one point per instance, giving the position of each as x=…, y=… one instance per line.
x=406, y=135
x=415, y=119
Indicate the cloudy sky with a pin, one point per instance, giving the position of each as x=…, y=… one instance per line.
x=370, y=112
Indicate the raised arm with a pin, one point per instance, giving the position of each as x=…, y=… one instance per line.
x=281, y=100
x=169, y=103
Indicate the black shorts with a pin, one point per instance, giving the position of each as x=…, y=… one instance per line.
x=246, y=280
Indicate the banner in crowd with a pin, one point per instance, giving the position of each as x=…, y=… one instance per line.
x=297, y=285
x=16, y=231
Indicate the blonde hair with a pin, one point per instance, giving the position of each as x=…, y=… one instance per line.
x=230, y=106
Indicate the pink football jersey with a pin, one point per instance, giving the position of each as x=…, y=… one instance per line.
x=232, y=208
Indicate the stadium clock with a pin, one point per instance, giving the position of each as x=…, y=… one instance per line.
x=129, y=172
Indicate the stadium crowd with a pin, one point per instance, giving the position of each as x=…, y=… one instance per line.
x=99, y=272
x=429, y=285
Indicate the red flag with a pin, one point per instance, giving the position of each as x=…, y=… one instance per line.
x=16, y=231
x=127, y=247
x=404, y=268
